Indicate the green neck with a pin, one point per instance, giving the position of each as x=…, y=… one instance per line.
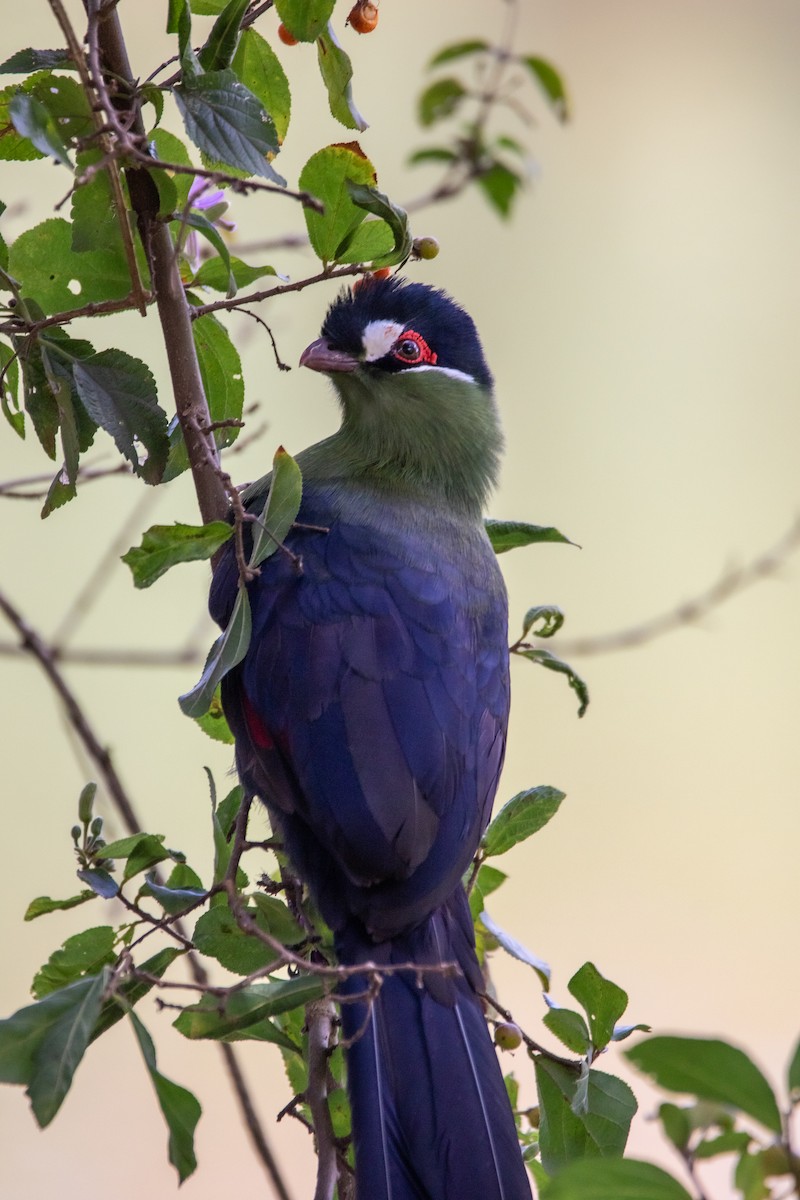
x=421, y=434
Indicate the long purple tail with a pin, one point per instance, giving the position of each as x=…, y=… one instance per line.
x=431, y=1117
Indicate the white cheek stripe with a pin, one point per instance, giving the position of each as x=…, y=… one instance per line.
x=378, y=339
x=451, y=371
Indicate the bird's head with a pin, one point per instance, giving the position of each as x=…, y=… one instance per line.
x=415, y=389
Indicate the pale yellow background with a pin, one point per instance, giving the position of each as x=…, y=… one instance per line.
x=640, y=313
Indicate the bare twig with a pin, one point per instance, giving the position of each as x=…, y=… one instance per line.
x=35, y=645
x=691, y=611
x=20, y=489
x=17, y=324
x=254, y=1126
x=534, y=1048
x=280, y=289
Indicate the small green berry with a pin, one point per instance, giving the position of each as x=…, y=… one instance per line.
x=507, y=1035
x=425, y=247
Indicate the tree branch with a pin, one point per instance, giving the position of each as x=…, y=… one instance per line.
x=173, y=309
x=691, y=611
x=35, y=645
x=321, y=1021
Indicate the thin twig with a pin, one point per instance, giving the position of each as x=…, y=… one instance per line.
x=280, y=290
x=534, y=1048
x=690, y=611
x=35, y=645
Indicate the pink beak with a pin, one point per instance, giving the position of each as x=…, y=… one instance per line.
x=319, y=356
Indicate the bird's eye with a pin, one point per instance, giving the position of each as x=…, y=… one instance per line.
x=412, y=348
x=409, y=350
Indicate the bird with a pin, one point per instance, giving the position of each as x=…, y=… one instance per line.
x=370, y=715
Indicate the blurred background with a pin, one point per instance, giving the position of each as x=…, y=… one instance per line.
x=640, y=314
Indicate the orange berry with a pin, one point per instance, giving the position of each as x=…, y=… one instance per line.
x=382, y=273
x=286, y=36
x=363, y=16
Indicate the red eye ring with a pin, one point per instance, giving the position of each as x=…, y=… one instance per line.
x=412, y=348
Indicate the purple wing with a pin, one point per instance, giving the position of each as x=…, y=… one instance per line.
x=370, y=711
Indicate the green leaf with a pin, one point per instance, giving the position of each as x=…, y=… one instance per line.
x=197, y=221
x=84, y=953
x=25, y=61
x=216, y=273
x=501, y=185
x=793, y=1077
x=710, y=1069
x=223, y=820
x=599, y=1132
x=306, y=19
x=22, y=1034
x=392, y=215
x=217, y=935
x=568, y=1026
x=432, y=154
x=164, y=546
x=734, y=1141
x=273, y=916
x=65, y=102
x=545, y=659
x=58, y=279
x=227, y=812
x=547, y=617
x=59, y=1051
x=214, y=724
x=750, y=1177
x=603, y=1002
x=458, y=50
x=280, y=510
x=44, y=904
x=249, y=1007
x=523, y=815
x=260, y=70
x=221, y=43
x=337, y=71
x=171, y=149
x=119, y=394
x=487, y=881
x=516, y=949
x=677, y=1126
x=131, y=991
x=228, y=123
x=228, y=650
x=326, y=175
x=180, y=1108
x=32, y=120
x=551, y=83
x=508, y=535
x=440, y=100
x=9, y=389
x=141, y=850
x=613, y=1179
x=124, y=847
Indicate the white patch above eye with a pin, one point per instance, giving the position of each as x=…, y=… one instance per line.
x=378, y=339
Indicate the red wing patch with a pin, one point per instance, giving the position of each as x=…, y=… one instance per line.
x=256, y=727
